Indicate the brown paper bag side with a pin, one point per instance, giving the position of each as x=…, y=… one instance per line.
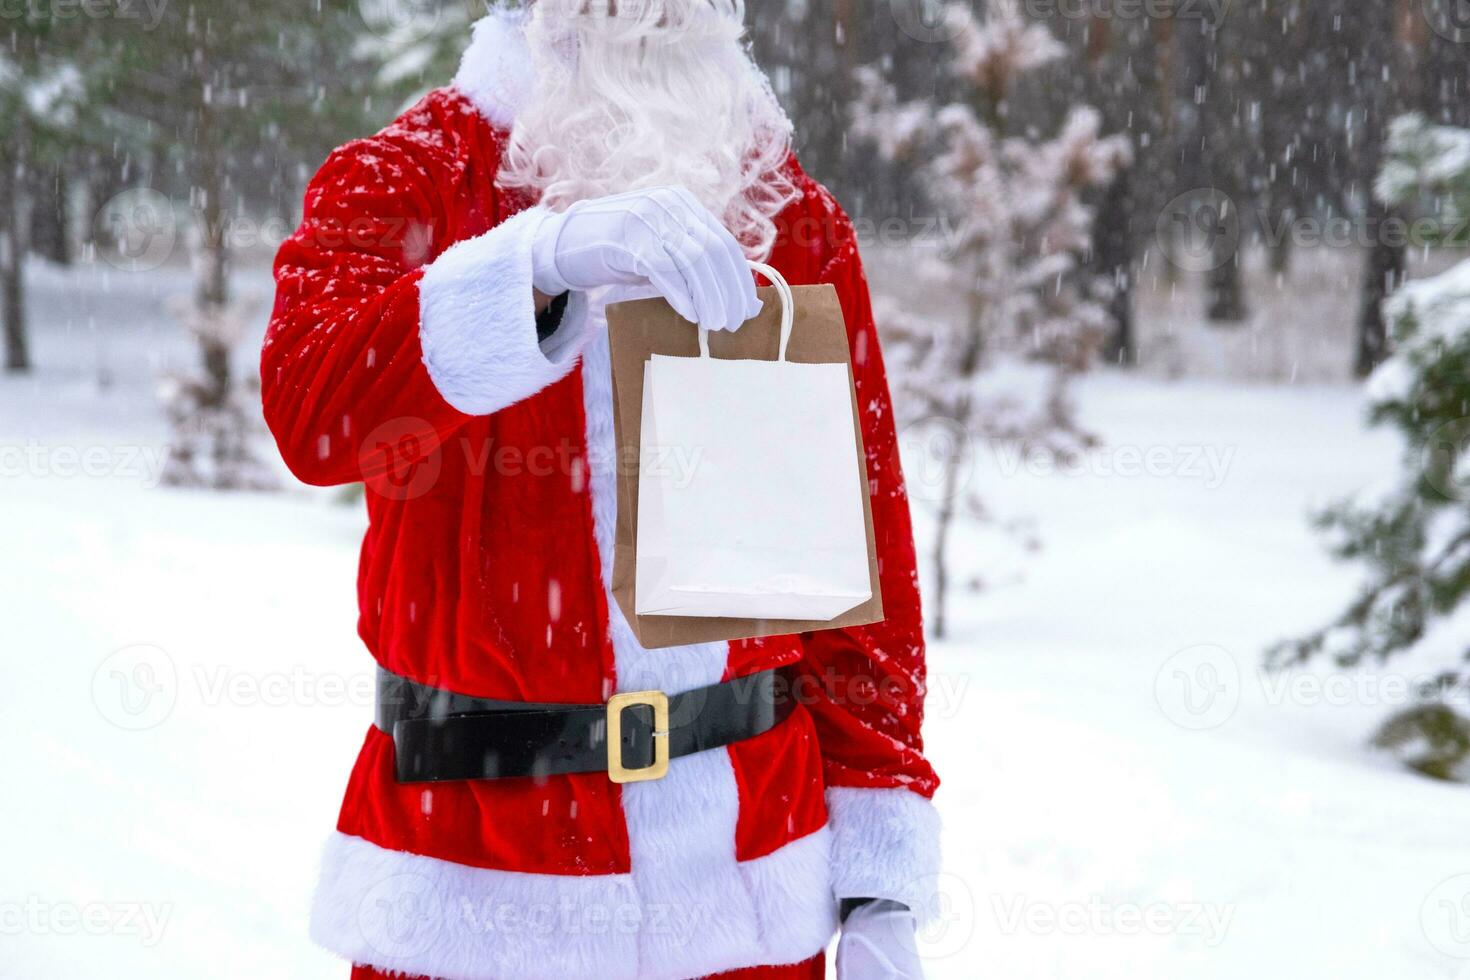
x=640, y=328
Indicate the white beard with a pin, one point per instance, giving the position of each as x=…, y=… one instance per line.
x=660, y=92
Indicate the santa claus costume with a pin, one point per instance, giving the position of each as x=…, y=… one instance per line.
x=406, y=350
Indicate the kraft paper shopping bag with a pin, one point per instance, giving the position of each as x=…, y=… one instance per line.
x=757, y=487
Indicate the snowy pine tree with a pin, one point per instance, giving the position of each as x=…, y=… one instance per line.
x=1414, y=538
x=1015, y=201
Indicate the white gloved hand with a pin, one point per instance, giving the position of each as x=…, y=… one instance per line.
x=878, y=944
x=663, y=238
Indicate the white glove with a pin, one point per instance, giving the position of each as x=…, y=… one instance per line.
x=663, y=238
x=878, y=944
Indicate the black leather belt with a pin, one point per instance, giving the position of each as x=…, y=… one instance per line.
x=440, y=735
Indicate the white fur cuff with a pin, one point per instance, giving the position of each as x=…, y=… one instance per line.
x=477, y=321
x=885, y=845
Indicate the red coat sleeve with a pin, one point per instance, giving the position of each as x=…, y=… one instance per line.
x=870, y=679
x=387, y=332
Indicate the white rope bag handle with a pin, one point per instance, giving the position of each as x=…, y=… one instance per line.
x=788, y=309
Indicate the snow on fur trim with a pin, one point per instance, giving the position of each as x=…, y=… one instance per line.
x=885, y=845
x=407, y=913
x=477, y=321
x=495, y=72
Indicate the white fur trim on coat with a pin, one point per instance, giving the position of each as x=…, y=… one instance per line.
x=885, y=844
x=496, y=73
x=681, y=829
x=413, y=914
x=477, y=321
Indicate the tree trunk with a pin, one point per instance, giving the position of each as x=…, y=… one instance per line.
x=1387, y=263
x=214, y=347
x=955, y=453
x=50, y=217
x=213, y=289
x=1387, y=258
x=1224, y=296
x=1112, y=227
x=1228, y=166
x=940, y=554
x=12, y=276
x=1280, y=216
x=1167, y=44
x=1112, y=243
x=105, y=179
x=1280, y=254
x=1226, y=301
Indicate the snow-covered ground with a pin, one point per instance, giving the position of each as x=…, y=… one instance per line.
x=1125, y=794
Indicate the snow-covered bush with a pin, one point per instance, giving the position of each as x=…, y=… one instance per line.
x=1015, y=202
x=1414, y=536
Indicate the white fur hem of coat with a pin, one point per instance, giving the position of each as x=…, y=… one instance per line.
x=403, y=912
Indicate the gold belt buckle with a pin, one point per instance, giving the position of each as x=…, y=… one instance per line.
x=659, y=702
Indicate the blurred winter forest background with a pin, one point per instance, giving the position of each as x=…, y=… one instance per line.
x=1176, y=304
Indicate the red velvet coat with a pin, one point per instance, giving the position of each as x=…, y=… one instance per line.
x=403, y=351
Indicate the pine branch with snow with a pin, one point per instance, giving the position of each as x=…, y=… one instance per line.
x=1429, y=163
x=1413, y=536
